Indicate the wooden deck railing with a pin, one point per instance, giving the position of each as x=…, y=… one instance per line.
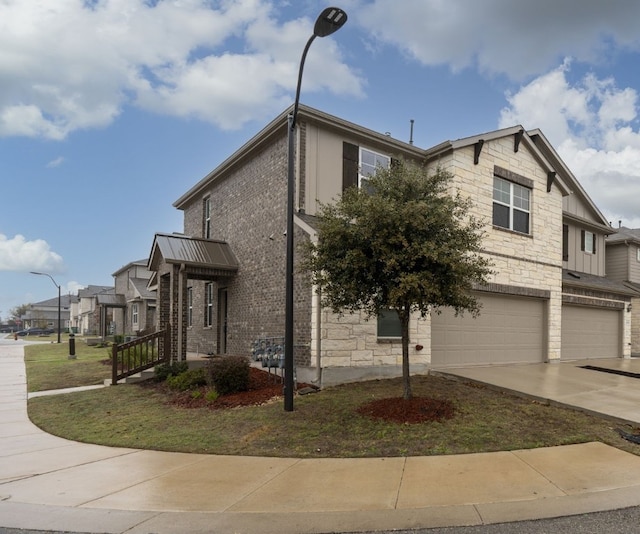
x=139, y=354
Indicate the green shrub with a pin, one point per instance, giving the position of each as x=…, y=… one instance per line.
x=229, y=374
x=192, y=378
x=165, y=370
x=211, y=395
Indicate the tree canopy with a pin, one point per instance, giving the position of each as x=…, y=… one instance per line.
x=402, y=242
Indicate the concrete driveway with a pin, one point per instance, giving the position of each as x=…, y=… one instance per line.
x=615, y=393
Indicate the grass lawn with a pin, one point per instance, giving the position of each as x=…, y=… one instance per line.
x=324, y=424
x=49, y=367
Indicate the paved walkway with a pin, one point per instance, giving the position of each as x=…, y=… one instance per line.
x=50, y=483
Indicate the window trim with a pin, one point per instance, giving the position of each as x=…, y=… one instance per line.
x=638, y=254
x=189, y=306
x=135, y=314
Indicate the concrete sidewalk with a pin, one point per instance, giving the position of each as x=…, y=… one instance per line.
x=53, y=484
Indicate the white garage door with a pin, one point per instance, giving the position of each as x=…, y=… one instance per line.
x=509, y=329
x=590, y=333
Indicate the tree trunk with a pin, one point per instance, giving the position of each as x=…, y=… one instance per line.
x=404, y=316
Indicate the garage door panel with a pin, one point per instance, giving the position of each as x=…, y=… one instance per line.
x=589, y=333
x=509, y=329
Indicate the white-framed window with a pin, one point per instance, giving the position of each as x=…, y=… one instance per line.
x=208, y=304
x=189, y=306
x=511, y=205
x=134, y=314
x=370, y=161
x=588, y=242
x=206, y=218
x=638, y=253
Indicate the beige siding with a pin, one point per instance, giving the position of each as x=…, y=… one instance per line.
x=634, y=264
x=618, y=262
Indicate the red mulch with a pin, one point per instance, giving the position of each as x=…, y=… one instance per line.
x=265, y=387
x=409, y=411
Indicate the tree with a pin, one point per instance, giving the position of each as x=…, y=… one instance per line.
x=402, y=242
x=19, y=311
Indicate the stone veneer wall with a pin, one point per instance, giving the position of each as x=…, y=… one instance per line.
x=531, y=262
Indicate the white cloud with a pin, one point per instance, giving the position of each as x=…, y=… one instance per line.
x=55, y=162
x=592, y=124
x=70, y=65
x=18, y=254
x=514, y=38
x=72, y=287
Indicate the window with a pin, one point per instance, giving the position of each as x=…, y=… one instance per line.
x=588, y=242
x=189, y=306
x=369, y=163
x=208, y=301
x=638, y=253
x=511, y=205
x=134, y=314
x=206, y=218
x=565, y=242
x=389, y=324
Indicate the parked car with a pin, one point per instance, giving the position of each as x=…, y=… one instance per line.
x=35, y=332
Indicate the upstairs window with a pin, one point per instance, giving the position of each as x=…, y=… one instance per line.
x=511, y=205
x=206, y=218
x=370, y=161
x=588, y=242
x=638, y=253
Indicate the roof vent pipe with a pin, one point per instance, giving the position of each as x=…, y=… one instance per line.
x=411, y=132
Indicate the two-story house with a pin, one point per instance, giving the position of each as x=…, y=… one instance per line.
x=136, y=308
x=44, y=314
x=93, y=313
x=623, y=265
x=221, y=283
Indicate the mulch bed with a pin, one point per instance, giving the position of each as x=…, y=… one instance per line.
x=265, y=387
x=408, y=411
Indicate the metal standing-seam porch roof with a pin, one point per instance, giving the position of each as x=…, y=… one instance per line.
x=208, y=255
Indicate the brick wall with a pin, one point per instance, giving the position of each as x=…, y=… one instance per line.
x=249, y=212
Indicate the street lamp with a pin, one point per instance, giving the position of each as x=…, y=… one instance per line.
x=55, y=284
x=328, y=22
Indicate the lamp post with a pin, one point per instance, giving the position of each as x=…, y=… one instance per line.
x=329, y=21
x=55, y=284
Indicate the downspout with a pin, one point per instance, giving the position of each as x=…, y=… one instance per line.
x=318, y=379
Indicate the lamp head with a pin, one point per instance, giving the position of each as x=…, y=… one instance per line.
x=329, y=21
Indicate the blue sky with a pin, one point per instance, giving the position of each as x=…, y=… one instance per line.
x=111, y=109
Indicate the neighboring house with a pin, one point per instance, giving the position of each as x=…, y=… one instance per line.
x=221, y=284
x=44, y=314
x=138, y=314
x=623, y=265
x=94, y=313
